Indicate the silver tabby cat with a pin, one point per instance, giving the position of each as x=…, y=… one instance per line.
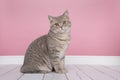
x=47, y=53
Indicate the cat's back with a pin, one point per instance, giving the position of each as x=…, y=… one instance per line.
x=37, y=45
x=36, y=55
x=39, y=41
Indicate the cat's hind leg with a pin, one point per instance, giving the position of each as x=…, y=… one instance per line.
x=26, y=69
x=34, y=69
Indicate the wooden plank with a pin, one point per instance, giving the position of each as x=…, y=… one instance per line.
x=72, y=73
x=107, y=71
x=115, y=68
x=54, y=76
x=12, y=75
x=83, y=75
x=7, y=69
x=32, y=76
x=75, y=74
x=93, y=74
x=2, y=66
x=109, y=67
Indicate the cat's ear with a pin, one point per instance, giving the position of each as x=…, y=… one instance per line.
x=50, y=18
x=66, y=13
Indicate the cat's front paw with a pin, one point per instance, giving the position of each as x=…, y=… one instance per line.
x=45, y=71
x=62, y=70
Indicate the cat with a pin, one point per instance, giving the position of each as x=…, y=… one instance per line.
x=47, y=53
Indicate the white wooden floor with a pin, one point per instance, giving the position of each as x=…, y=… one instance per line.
x=76, y=72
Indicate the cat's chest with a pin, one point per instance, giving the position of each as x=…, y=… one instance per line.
x=54, y=42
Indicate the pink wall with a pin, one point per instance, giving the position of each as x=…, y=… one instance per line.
x=95, y=25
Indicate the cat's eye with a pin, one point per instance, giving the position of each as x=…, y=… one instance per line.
x=56, y=24
x=64, y=22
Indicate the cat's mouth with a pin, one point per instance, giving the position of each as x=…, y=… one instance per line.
x=61, y=27
x=62, y=30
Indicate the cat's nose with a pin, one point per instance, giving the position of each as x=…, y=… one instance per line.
x=61, y=24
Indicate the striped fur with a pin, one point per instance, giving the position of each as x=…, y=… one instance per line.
x=47, y=53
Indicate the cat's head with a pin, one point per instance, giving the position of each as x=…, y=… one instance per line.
x=60, y=24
